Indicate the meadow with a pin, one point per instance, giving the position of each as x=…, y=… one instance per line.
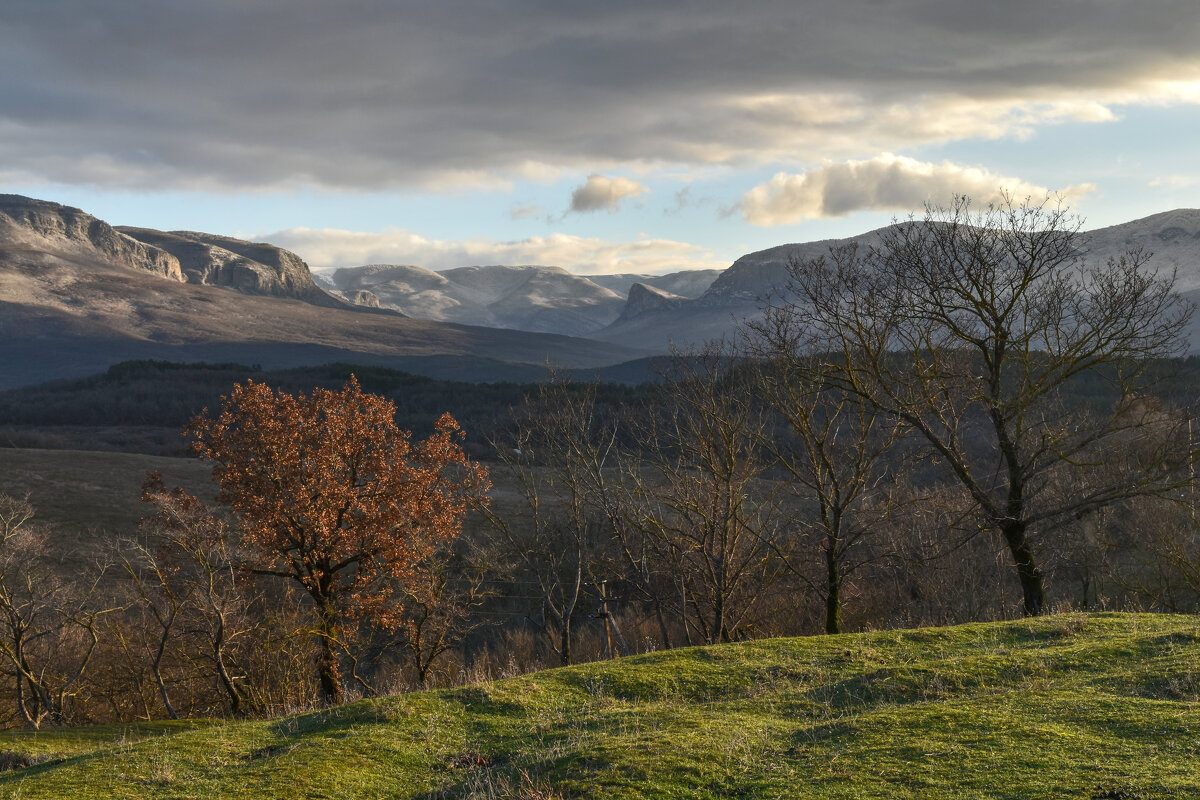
x=1083, y=706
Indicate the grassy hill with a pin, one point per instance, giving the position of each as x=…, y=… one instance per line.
x=1076, y=706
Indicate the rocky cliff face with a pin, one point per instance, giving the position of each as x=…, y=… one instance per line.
x=43, y=227
x=33, y=230
x=359, y=297
x=248, y=267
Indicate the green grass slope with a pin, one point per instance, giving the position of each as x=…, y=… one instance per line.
x=1077, y=706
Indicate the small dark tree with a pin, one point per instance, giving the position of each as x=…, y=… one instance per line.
x=184, y=574
x=439, y=611
x=707, y=522
x=833, y=447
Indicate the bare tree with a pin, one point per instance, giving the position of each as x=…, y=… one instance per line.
x=557, y=459
x=1150, y=550
x=707, y=518
x=969, y=327
x=835, y=456
x=185, y=575
x=439, y=603
x=49, y=626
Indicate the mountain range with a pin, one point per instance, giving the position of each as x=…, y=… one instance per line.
x=77, y=295
x=739, y=292
x=531, y=298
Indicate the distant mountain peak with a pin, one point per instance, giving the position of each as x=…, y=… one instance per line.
x=644, y=299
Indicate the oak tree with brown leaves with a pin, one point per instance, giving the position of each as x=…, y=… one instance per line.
x=331, y=494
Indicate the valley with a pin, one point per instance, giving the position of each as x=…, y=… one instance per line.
x=558, y=401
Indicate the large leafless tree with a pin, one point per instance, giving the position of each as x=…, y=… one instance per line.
x=968, y=326
x=49, y=624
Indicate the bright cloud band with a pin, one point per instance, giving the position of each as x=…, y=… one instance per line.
x=886, y=182
x=324, y=248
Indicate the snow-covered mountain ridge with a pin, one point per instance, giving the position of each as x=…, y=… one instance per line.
x=532, y=298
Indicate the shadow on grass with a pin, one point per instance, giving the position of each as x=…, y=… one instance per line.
x=17, y=765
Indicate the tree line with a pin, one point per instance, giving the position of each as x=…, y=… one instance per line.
x=964, y=420
x=140, y=406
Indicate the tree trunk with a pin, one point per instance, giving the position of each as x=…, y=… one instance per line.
x=162, y=685
x=235, y=697
x=156, y=664
x=30, y=719
x=564, y=641
x=687, y=632
x=662, y=624
x=833, y=593
x=719, y=632
x=1033, y=588
x=329, y=672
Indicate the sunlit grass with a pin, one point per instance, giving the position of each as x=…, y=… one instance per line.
x=1079, y=706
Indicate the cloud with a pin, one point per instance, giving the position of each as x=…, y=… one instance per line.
x=525, y=211
x=886, y=182
x=274, y=94
x=327, y=248
x=1175, y=182
x=685, y=200
x=601, y=193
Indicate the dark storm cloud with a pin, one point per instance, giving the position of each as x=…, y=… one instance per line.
x=238, y=93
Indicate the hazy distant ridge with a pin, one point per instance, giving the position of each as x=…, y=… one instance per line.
x=532, y=298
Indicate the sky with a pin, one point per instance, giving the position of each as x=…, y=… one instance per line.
x=599, y=137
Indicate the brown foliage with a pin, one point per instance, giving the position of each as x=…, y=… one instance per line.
x=331, y=494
